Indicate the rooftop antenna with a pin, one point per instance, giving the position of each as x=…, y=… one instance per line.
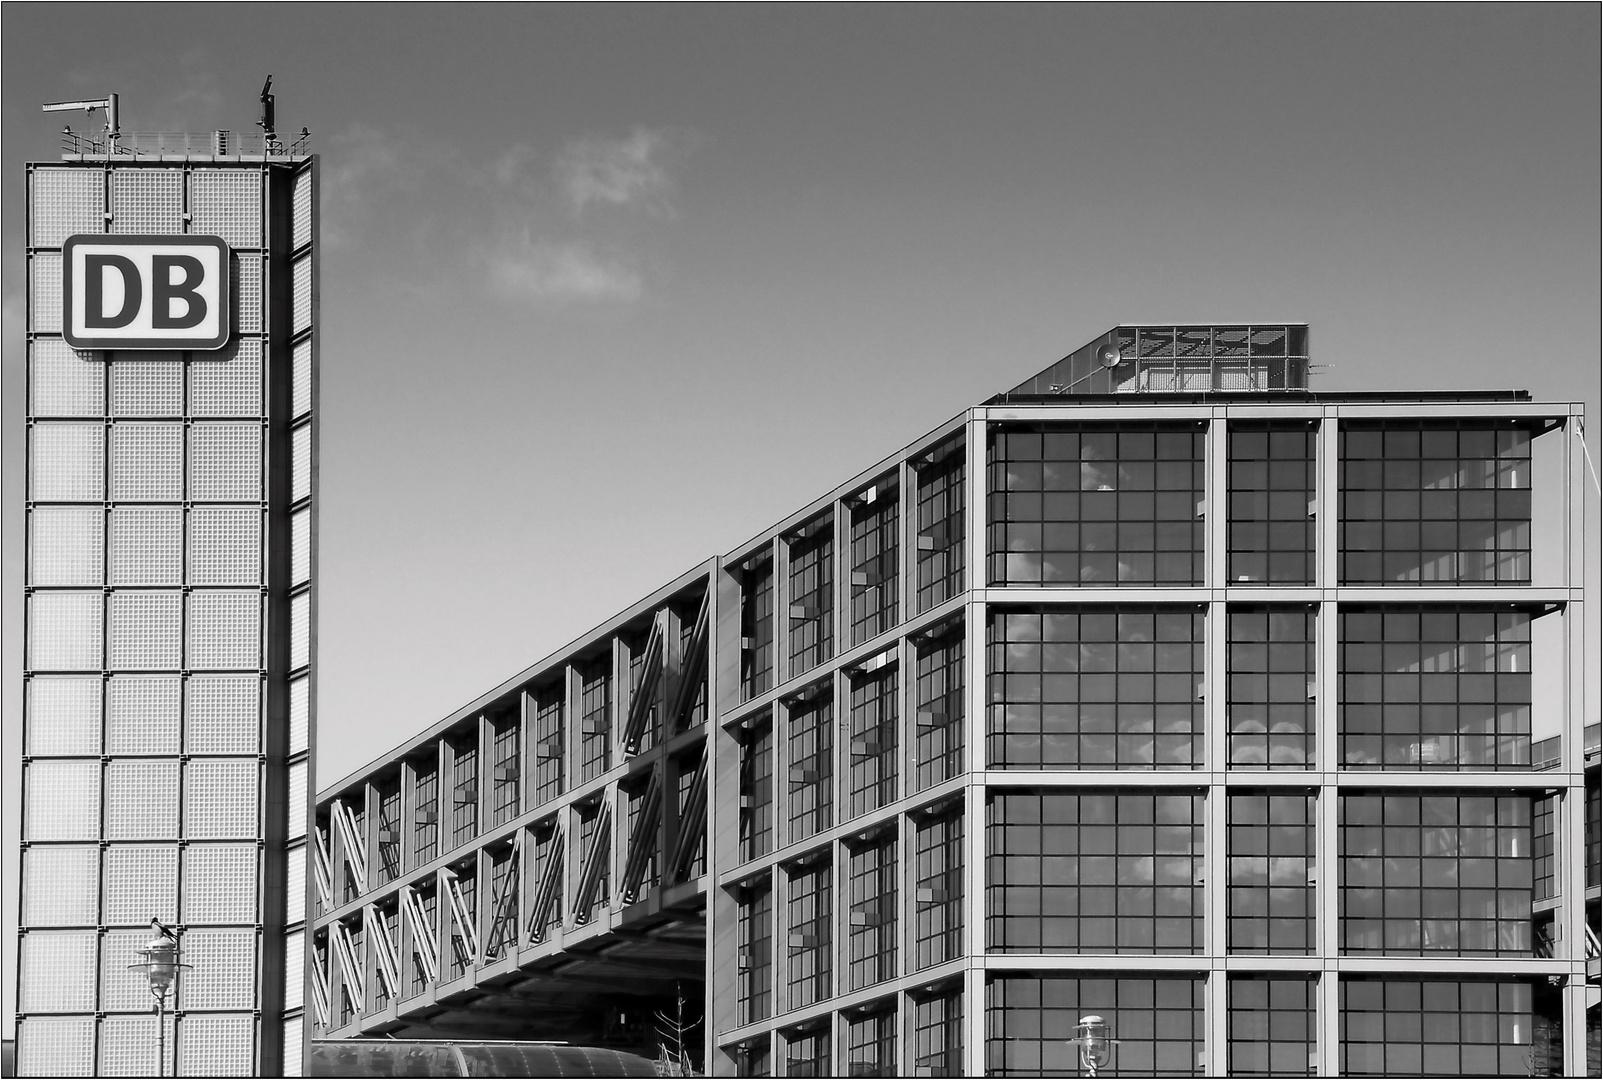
x=109, y=103
x=266, y=122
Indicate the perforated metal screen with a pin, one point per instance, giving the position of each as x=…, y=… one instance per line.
x=64, y=631
x=220, y=799
x=72, y=811
x=128, y=1045
x=147, y=462
x=142, y=714
x=220, y=883
x=56, y=1046
x=227, y=203
x=295, y=886
x=302, y=298
x=299, y=714
x=63, y=381
x=67, y=462
x=216, y=1045
x=300, y=613
x=63, y=714
x=300, y=547
x=56, y=971
x=294, y=969
x=44, y=292
x=224, y=630
x=229, y=382
x=302, y=379
x=147, y=201
x=223, y=970
x=60, y=886
x=153, y=387
x=297, y=799
x=66, y=201
x=146, y=545
x=142, y=800
x=141, y=884
x=143, y=630
x=223, y=714
x=248, y=293
x=65, y=545
x=225, y=462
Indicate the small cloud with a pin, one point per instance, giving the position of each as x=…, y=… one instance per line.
x=616, y=172
x=364, y=168
x=563, y=273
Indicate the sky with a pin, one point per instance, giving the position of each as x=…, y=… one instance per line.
x=607, y=290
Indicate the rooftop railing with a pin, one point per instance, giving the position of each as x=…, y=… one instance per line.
x=134, y=144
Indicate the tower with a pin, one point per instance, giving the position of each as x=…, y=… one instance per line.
x=170, y=607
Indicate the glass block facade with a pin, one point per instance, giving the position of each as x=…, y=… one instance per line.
x=1149, y=690
x=167, y=723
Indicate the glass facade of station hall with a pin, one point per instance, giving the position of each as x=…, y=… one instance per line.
x=1162, y=689
x=167, y=723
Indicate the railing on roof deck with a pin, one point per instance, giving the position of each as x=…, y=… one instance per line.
x=219, y=143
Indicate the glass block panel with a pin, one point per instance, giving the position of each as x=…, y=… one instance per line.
x=220, y=800
x=67, y=462
x=64, y=381
x=56, y=971
x=292, y=1041
x=217, y=1046
x=301, y=379
x=72, y=810
x=299, y=714
x=302, y=294
x=44, y=279
x=227, y=382
x=301, y=209
x=219, y=883
x=66, y=545
x=223, y=970
x=147, y=201
x=64, y=631
x=294, y=983
x=142, y=629
x=225, y=630
x=153, y=386
x=147, y=545
x=300, y=483
x=248, y=293
x=295, y=895
x=223, y=714
x=300, y=547
x=147, y=462
x=142, y=714
x=128, y=1044
x=225, y=462
x=225, y=546
x=297, y=799
x=300, y=612
x=56, y=1046
x=142, y=800
x=122, y=990
x=64, y=714
x=60, y=886
x=67, y=201
x=141, y=884
x=227, y=203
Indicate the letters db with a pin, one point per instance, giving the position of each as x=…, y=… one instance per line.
x=145, y=292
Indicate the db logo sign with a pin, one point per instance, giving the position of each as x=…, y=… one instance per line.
x=145, y=292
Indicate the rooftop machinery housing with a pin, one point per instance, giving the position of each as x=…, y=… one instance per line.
x=171, y=528
x=1159, y=688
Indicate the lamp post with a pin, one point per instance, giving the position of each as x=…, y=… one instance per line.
x=1094, y=1038
x=160, y=968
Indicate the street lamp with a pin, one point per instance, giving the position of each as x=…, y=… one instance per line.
x=160, y=968
x=1094, y=1037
